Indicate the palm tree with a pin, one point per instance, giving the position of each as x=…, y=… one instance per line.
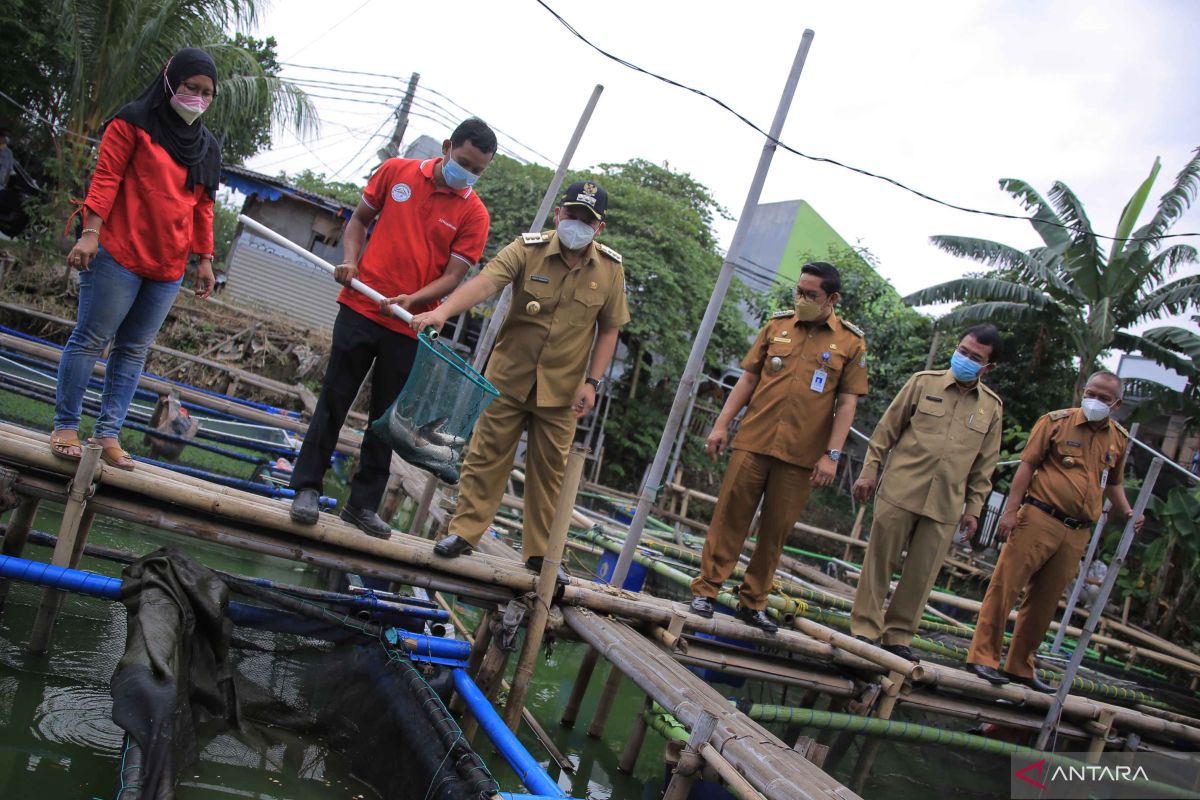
x=1072, y=288
x=116, y=46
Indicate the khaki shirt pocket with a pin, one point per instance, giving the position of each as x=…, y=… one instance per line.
x=978, y=422
x=929, y=415
x=1070, y=456
x=542, y=292
x=781, y=351
x=585, y=306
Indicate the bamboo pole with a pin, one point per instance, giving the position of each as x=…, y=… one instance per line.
x=422, y=513
x=866, y=759
x=19, y=525
x=546, y=583
x=856, y=531
x=612, y=685
x=587, y=666
x=637, y=737
x=728, y=774
x=72, y=534
x=690, y=759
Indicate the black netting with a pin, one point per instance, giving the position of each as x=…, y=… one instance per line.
x=430, y=421
x=191, y=680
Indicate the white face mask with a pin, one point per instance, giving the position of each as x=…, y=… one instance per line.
x=1094, y=410
x=575, y=235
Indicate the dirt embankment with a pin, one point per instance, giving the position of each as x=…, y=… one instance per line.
x=270, y=346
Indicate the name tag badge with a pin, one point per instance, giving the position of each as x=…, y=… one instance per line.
x=539, y=278
x=818, y=381
x=1103, y=478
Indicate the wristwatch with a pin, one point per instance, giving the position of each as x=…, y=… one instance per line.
x=834, y=455
x=595, y=384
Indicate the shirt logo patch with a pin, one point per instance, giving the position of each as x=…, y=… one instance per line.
x=401, y=192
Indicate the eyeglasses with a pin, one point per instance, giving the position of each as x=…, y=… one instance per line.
x=815, y=296
x=973, y=356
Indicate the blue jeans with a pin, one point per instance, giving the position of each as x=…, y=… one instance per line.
x=118, y=306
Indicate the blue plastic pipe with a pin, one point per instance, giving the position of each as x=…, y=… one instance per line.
x=102, y=586
x=250, y=403
x=264, y=489
x=505, y=741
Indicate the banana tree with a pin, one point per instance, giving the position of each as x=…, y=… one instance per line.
x=1179, y=516
x=1076, y=288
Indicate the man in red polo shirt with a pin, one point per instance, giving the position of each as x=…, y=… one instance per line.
x=430, y=227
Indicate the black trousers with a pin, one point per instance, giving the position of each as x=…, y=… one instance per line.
x=357, y=344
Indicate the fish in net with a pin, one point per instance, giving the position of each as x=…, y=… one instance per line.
x=430, y=421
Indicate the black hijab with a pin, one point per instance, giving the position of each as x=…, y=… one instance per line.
x=193, y=146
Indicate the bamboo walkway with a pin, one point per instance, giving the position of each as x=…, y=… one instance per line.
x=644, y=637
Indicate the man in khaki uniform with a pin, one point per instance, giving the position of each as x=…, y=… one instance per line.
x=803, y=377
x=1073, y=460
x=941, y=439
x=550, y=358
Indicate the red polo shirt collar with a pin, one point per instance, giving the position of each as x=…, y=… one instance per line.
x=427, y=171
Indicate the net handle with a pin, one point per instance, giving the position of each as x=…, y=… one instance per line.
x=316, y=260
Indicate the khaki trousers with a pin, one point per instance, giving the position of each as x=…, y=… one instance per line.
x=783, y=489
x=489, y=463
x=894, y=530
x=1042, y=556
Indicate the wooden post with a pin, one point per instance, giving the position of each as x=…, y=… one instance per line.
x=72, y=535
x=891, y=692
x=612, y=685
x=422, y=513
x=13, y=544
x=1103, y=727
x=633, y=747
x=690, y=760
x=586, y=667
x=392, y=497
x=856, y=531
x=547, y=581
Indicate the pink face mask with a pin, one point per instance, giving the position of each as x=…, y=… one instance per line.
x=189, y=107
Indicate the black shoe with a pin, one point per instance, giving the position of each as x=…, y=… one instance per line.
x=758, y=619
x=1033, y=682
x=534, y=564
x=866, y=640
x=368, y=522
x=452, y=547
x=702, y=606
x=989, y=674
x=306, y=507
x=902, y=650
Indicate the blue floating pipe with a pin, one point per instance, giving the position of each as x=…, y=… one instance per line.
x=271, y=449
x=511, y=796
x=102, y=586
x=367, y=601
x=249, y=403
x=71, y=580
x=264, y=489
x=505, y=741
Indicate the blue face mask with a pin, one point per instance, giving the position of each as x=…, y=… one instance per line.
x=964, y=369
x=455, y=175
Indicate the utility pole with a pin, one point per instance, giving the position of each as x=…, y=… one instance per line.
x=654, y=477
x=392, y=148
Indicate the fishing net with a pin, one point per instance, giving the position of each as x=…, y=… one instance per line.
x=430, y=421
x=195, y=685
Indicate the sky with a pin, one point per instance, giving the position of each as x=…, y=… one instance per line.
x=947, y=97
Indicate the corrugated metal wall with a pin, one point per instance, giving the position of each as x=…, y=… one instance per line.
x=263, y=275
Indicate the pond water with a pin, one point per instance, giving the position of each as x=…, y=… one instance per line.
x=57, y=739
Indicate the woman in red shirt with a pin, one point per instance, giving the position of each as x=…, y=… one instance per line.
x=149, y=206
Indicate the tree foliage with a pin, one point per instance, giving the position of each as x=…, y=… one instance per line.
x=1087, y=297
x=347, y=192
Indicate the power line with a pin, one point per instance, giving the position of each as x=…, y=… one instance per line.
x=366, y=142
x=331, y=28
x=834, y=162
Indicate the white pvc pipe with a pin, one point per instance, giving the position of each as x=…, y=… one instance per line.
x=265, y=232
